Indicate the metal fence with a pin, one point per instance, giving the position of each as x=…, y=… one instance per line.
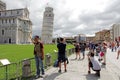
x=17, y=71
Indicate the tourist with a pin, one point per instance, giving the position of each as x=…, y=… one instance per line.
x=83, y=46
x=118, y=52
x=61, y=54
x=98, y=49
x=77, y=50
x=112, y=46
x=92, y=46
x=116, y=46
x=93, y=63
x=39, y=56
x=104, y=50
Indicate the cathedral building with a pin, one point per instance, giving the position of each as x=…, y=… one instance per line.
x=15, y=25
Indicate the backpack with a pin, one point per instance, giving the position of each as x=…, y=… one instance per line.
x=56, y=63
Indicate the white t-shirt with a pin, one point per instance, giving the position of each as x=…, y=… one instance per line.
x=95, y=63
x=119, y=48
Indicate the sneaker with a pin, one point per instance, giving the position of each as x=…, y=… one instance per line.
x=89, y=72
x=100, y=59
x=104, y=63
x=41, y=77
x=67, y=62
x=37, y=76
x=59, y=71
x=43, y=73
x=117, y=57
x=98, y=73
x=65, y=70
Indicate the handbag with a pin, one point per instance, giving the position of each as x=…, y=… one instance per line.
x=101, y=54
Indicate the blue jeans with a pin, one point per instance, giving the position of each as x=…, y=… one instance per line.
x=39, y=65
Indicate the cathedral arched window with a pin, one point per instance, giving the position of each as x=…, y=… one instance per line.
x=17, y=12
x=46, y=15
x=2, y=21
x=11, y=12
x=50, y=15
x=24, y=22
x=9, y=21
x=6, y=20
x=3, y=32
x=13, y=20
x=5, y=13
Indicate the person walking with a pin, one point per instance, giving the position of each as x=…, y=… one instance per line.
x=83, y=46
x=98, y=49
x=61, y=54
x=104, y=50
x=77, y=50
x=112, y=46
x=118, y=51
x=39, y=56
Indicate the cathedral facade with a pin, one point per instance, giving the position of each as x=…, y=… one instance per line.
x=15, y=25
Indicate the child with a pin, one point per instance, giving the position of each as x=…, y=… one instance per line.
x=93, y=63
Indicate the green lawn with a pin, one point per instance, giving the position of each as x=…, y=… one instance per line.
x=15, y=53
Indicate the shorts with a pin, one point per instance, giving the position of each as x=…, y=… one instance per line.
x=90, y=64
x=61, y=59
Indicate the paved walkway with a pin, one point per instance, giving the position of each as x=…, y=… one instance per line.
x=113, y=65
x=77, y=70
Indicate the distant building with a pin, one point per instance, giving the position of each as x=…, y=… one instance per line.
x=2, y=6
x=47, y=27
x=103, y=35
x=89, y=39
x=80, y=38
x=15, y=26
x=70, y=39
x=115, y=32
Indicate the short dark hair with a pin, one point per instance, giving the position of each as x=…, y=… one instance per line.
x=92, y=54
x=61, y=39
x=36, y=36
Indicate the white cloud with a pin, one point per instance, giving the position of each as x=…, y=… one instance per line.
x=72, y=16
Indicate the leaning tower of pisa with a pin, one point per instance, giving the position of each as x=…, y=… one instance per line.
x=47, y=26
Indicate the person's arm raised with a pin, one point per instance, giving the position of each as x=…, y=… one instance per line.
x=32, y=40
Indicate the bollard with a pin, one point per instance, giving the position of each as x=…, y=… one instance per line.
x=26, y=68
x=47, y=59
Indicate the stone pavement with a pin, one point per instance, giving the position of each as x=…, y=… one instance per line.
x=77, y=70
x=113, y=65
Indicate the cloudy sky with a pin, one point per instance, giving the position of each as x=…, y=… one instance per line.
x=72, y=17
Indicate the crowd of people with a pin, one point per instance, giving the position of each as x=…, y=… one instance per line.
x=96, y=53
x=98, y=50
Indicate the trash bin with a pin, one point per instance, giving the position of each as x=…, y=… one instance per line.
x=48, y=59
x=26, y=69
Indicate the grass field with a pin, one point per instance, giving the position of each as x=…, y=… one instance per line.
x=15, y=53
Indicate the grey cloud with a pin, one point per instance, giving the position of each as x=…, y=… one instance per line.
x=93, y=20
